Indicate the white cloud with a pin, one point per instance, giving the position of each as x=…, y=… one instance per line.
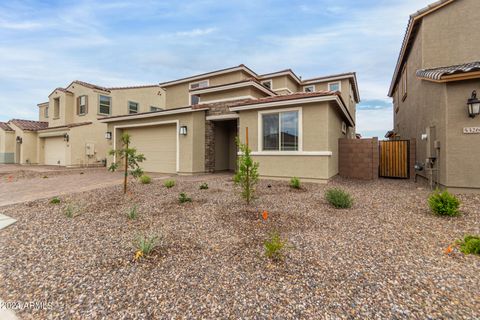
x=195, y=32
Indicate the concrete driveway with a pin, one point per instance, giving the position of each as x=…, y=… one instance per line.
x=14, y=190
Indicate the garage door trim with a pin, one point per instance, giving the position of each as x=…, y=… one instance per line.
x=149, y=124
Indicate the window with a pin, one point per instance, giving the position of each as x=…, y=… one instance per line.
x=132, y=107
x=194, y=99
x=199, y=84
x=344, y=128
x=267, y=84
x=280, y=131
x=404, y=83
x=45, y=112
x=152, y=108
x=104, y=105
x=309, y=88
x=334, y=86
x=56, y=108
x=82, y=105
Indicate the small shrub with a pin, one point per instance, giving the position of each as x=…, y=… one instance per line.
x=444, y=203
x=70, y=211
x=132, y=213
x=275, y=247
x=247, y=175
x=55, y=201
x=45, y=177
x=145, y=245
x=184, y=198
x=144, y=179
x=204, y=186
x=295, y=183
x=339, y=198
x=169, y=184
x=470, y=245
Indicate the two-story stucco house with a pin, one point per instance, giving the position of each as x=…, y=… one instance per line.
x=68, y=132
x=293, y=124
x=437, y=71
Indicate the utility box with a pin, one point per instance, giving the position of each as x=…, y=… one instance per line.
x=90, y=149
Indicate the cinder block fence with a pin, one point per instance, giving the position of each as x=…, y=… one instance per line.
x=358, y=158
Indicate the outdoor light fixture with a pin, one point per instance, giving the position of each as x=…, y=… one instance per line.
x=108, y=135
x=183, y=130
x=473, y=105
x=19, y=139
x=66, y=137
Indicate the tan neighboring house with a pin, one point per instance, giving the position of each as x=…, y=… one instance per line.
x=293, y=124
x=437, y=73
x=68, y=133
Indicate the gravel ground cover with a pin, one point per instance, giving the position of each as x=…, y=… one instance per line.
x=382, y=259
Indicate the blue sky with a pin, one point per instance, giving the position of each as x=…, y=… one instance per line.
x=47, y=44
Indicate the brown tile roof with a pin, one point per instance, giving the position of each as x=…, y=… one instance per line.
x=272, y=74
x=438, y=73
x=29, y=125
x=72, y=125
x=42, y=103
x=135, y=87
x=89, y=85
x=339, y=75
x=5, y=126
x=60, y=89
x=293, y=96
x=410, y=35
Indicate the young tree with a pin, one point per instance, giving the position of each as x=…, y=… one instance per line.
x=247, y=172
x=130, y=158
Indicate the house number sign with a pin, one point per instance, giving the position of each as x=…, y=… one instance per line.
x=472, y=130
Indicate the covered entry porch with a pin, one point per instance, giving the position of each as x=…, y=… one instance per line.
x=221, y=147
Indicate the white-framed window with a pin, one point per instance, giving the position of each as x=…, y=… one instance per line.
x=194, y=99
x=104, y=105
x=152, y=108
x=56, y=108
x=280, y=130
x=132, y=107
x=267, y=84
x=45, y=112
x=82, y=105
x=310, y=88
x=199, y=84
x=335, y=86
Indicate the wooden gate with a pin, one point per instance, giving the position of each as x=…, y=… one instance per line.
x=394, y=159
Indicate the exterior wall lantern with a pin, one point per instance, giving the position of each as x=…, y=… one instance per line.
x=473, y=105
x=66, y=137
x=183, y=130
x=19, y=139
x=108, y=135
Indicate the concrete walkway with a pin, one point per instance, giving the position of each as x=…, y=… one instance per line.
x=5, y=221
x=6, y=314
x=39, y=188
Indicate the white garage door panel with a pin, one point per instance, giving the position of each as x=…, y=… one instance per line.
x=159, y=145
x=55, y=151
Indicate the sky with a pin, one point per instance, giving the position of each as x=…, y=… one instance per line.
x=48, y=44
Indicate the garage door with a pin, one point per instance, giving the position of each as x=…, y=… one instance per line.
x=159, y=145
x=55, y=151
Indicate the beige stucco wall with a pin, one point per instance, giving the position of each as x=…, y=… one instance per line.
x=26, y=152
x=320, y=133
x=451, y=34
x=345, y=90
x=244, y=92
x=282, y=82
x=41, y=113
x=192, y=146
x=178, y=95
x=7, y=146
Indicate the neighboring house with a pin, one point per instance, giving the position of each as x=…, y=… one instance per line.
x=437, y=71
x=68, y=133
x=293, y=124
x=7, y=143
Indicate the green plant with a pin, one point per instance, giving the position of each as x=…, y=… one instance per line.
x=145, y=244
x=70, y=211
x=470, y=245
x=444, y=203
x=275, y=247
x=55, y=201
x=144, y=179
x=130, y=158
x=295, y=183
x=247, y=172
x=132, y=213
x=339, y=198
x=169, y=184
x=204, y=186
x=45, y=177
x=184, y=198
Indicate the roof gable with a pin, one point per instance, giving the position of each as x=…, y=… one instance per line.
x=29, y=125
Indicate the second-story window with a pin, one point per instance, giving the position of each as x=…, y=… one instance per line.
x=56, y=108
x=132, y=107
x=194, y=99
x=152, y=108
x=334, y=86
x=45, y=112
x=199, y=84
x=404, y=83
x=267, y=84
x=104, y=105
x=82, y=105
x=309, y=88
